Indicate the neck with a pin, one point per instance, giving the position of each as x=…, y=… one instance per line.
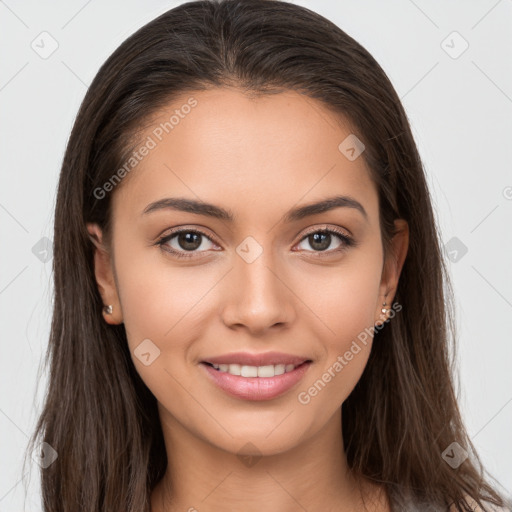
x=312, y=476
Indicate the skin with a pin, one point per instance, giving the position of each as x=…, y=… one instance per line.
x=258, y=158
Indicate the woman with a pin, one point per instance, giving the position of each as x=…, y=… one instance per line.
x=250, y=302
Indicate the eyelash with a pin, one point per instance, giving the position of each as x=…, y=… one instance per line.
x=347, y=241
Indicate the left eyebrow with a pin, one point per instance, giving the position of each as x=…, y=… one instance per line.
x=211, y=210
x=324, y=206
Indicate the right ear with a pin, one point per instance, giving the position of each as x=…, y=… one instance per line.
x=104, y=274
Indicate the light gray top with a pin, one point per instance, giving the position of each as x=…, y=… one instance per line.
x=400, y=503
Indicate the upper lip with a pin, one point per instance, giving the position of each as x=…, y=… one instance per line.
x=263, y=359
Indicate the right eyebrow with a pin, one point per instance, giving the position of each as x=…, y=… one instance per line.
x=190, y=206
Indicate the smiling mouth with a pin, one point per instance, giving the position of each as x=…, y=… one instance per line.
x=256, y=371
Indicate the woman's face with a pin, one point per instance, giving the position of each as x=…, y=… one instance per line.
x=259, y=278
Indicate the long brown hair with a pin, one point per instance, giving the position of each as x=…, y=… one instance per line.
x=98, y=414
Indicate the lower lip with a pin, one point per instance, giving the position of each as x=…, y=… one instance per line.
x=256, y=388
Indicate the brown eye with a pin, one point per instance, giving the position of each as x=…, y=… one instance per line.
x=184, y=241
x=322, y=240
x=189, y=241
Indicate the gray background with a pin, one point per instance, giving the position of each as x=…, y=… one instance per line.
x=460, y=108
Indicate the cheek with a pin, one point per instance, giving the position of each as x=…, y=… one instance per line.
x=166, y=305
x=343, y=298
x=158, y=299
x=345, y=301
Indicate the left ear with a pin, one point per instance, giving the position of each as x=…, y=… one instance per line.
x=393, y=263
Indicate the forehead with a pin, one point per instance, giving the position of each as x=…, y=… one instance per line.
x=247, y=153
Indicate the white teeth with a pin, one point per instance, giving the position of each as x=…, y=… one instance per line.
x=254, y=371
x=266, y=371
x=249, y=371
x=234, y=369
x=279, y=369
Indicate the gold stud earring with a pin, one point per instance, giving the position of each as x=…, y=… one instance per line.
x=107, y=310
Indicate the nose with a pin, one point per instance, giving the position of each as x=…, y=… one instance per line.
x=258, y=298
